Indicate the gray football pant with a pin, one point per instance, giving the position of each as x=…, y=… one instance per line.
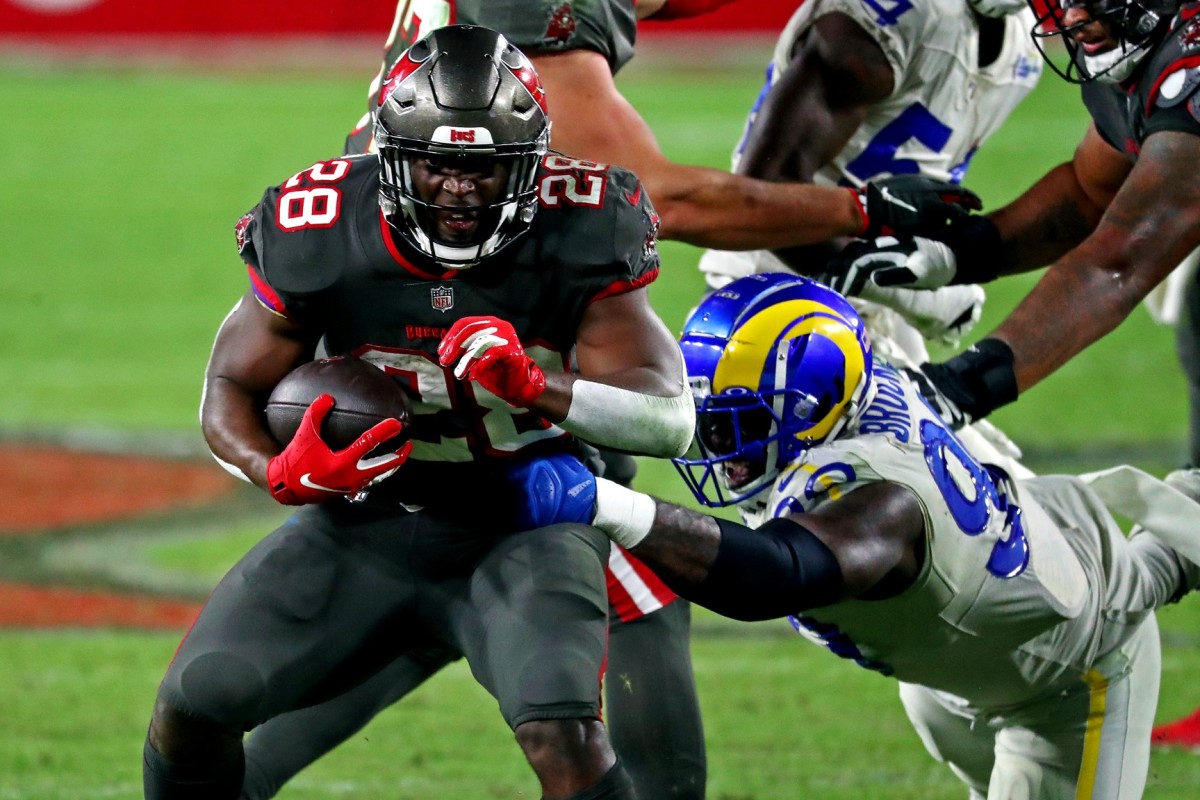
x=652, y=713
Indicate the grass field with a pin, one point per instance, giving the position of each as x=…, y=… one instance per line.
x=121, y=187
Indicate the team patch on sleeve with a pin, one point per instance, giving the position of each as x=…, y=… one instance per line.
x=1177, y=86
x=240, y=230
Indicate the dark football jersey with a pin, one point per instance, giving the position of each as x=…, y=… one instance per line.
x=1164, y=94
x=609, y=27
x=321, y=253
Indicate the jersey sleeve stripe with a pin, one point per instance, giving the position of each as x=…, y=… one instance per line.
x=266, y=295
x=624, y=287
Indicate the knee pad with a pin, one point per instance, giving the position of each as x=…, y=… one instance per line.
x=220, y=687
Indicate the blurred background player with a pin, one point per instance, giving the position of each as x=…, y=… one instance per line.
x=1113, y=222
x=652, y=709
x=1016, y=615
x=404, y=260
x=854, y=93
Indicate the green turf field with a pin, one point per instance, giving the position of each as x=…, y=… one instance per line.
x=121, y=188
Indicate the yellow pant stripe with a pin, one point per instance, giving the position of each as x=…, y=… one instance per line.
x=1098, y=685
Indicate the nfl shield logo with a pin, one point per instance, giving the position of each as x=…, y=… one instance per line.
x=442, y=297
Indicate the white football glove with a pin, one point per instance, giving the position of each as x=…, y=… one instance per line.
x=944, y=315
x=910, y=263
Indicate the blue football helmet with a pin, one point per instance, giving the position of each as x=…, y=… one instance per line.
x=776, y=363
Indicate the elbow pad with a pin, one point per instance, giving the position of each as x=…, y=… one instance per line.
x=768, y=573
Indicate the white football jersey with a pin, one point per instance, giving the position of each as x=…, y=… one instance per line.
x=942, y=108
x=1002, y=610
x=944, y=105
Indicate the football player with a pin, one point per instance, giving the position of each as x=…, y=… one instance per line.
x=854, y=92
x=1112, y=222
x=507, y=288
x=577, y=48
x=1016, y=615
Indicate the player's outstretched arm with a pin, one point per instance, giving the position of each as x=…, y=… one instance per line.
x=1150, y=224
x=869, y=544
x=702, y=206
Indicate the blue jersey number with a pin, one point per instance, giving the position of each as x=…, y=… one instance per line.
x=879, y=156
x=1009, y=557
x=888, y=13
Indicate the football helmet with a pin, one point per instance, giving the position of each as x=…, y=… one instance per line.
x=1136, y=25
x=777, y=363
x=462, y=92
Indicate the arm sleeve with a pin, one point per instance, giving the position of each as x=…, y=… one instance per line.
x=771, y=572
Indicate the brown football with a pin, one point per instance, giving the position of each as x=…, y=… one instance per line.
x=364, y=395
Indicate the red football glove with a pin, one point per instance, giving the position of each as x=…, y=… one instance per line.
x=307, y=471
x=493, y=356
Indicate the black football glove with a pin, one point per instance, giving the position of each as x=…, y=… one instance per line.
x=913, y=205
x=909, y=263
x=971, y=385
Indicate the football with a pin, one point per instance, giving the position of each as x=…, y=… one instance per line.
x=364, y=396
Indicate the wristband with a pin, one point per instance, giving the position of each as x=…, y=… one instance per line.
x=978, y=251
x=986, y=372
x=625, y=515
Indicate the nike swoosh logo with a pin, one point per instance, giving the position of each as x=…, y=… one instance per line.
x=306, y=480
x=896, y=201
x=635, y=197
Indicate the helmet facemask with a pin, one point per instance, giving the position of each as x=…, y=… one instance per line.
x=1134, y=25
x=777, y=364
x=461, y=102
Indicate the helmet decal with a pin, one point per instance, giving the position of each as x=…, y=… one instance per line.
x=777, y=364
x=461, y=98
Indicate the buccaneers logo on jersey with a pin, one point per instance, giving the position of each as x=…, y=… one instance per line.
x=561, y=26
x=240, y=230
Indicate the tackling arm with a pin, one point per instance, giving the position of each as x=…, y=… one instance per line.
x=869, y=544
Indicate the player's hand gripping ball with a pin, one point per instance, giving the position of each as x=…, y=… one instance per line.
x=342, y=421
x=488, y=351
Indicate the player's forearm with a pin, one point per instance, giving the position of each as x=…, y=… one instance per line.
x=233, y=428
x=740, y=573
x=1079, y=299
x=648, y=416
x=1043, y=224
x=711, y=208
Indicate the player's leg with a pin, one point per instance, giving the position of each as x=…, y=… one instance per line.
x=282, y=746
x=1185, y=732
x=1187, y=346
x=1089, y=741
x=952, y=734
x=652, y=710
x=532, y=622
x=290, y=625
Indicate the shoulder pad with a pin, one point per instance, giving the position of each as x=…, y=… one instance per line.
x=1177, y=85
